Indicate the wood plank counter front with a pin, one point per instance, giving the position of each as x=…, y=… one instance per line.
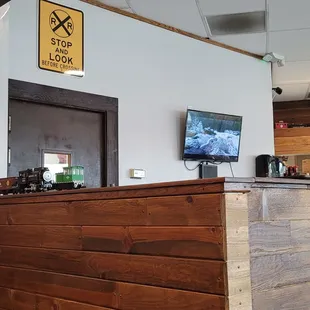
x=168, y=246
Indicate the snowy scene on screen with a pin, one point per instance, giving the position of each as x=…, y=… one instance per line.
x=212, y=134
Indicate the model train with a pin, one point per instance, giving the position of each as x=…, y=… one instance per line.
x=41, y=179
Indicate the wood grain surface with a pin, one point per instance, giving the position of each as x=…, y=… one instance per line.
x=186, y=210
x=197, y=275
x=237, y=257
x=199, y=186
x=295, y=297
x=292, y=132
x=279, y=232
x=280, y=270
x=4, y=213
x=5, y=298
x=19, y=300
x=292, y=145
x=124, y=296
x=195, y=242
x=66, y=237
x=159, y=246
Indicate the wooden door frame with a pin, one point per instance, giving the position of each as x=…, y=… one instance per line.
x=58, y=97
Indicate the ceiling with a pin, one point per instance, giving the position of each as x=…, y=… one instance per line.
x=280, y=26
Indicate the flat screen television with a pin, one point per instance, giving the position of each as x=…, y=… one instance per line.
x=212, y=136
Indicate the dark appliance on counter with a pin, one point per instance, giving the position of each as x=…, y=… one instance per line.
x=268, y=166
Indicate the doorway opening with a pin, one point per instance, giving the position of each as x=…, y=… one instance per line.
x=62, y=128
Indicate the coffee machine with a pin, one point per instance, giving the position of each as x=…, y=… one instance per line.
x=269, y=166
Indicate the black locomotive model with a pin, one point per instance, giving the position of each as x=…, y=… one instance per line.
x=35, y=180
x=41, y=180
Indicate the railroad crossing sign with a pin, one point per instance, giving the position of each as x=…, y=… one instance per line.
x=61, y=23
x=61, y=39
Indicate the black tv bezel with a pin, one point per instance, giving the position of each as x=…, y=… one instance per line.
x=210, y=158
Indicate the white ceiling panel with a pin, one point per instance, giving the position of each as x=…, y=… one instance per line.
x=292, y=72
x=218, y=7
x=183, y=14
x=289, y=14
x=254, y=42
x=296, y=48
x=115, y=3
x=292, y=92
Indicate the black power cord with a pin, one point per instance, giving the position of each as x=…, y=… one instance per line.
x=191, y=169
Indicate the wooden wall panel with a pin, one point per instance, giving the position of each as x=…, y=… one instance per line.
x=4, y=213
x=237, y=257
x=144, y=297
x=123, y=296
x=295, y=297
x=192, y=242
x=197, y=275
x=205, y=186
x=80, y=289
x=200, y=210
x=280, y=270
x=280, y=248
x=197, y=210
x=292, y=145
x=19, y=300
x=67, y=237
x=297, y=112
x=5, y=298
x=158, y=246
x=117, y=212
x=292, y=141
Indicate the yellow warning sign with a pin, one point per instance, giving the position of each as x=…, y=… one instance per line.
x=61, y=39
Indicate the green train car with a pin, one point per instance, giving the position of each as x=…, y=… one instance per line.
x=71, y=177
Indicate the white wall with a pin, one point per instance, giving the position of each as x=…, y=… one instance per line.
x=155, y=74
x=4, y=72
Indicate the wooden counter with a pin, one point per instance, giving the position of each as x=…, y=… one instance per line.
x=174, y=246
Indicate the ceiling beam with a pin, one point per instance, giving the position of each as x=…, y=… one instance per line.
x=170, y=28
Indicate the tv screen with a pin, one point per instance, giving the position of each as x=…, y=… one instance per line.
x=212, y=136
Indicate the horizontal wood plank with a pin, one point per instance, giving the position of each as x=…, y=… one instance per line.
x=292, y=145
x=24, y=301
x=57, y=237
x=197, y=275
x=143, y=297
x=200, y=186
x=291, y=205
x=274, y=271
x=279, y=237
x=4, y=214
x=5, y=298
x=80, y=289
x=292, y=132
x=194, y=242
x=105, y=212
x=192, y=210
x=270, y=237
x=294, y=297
x=123, y=296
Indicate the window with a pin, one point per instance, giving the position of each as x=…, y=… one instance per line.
x=55, y=162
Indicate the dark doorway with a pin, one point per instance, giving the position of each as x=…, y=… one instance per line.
x=39, y=129
x=49, y=123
